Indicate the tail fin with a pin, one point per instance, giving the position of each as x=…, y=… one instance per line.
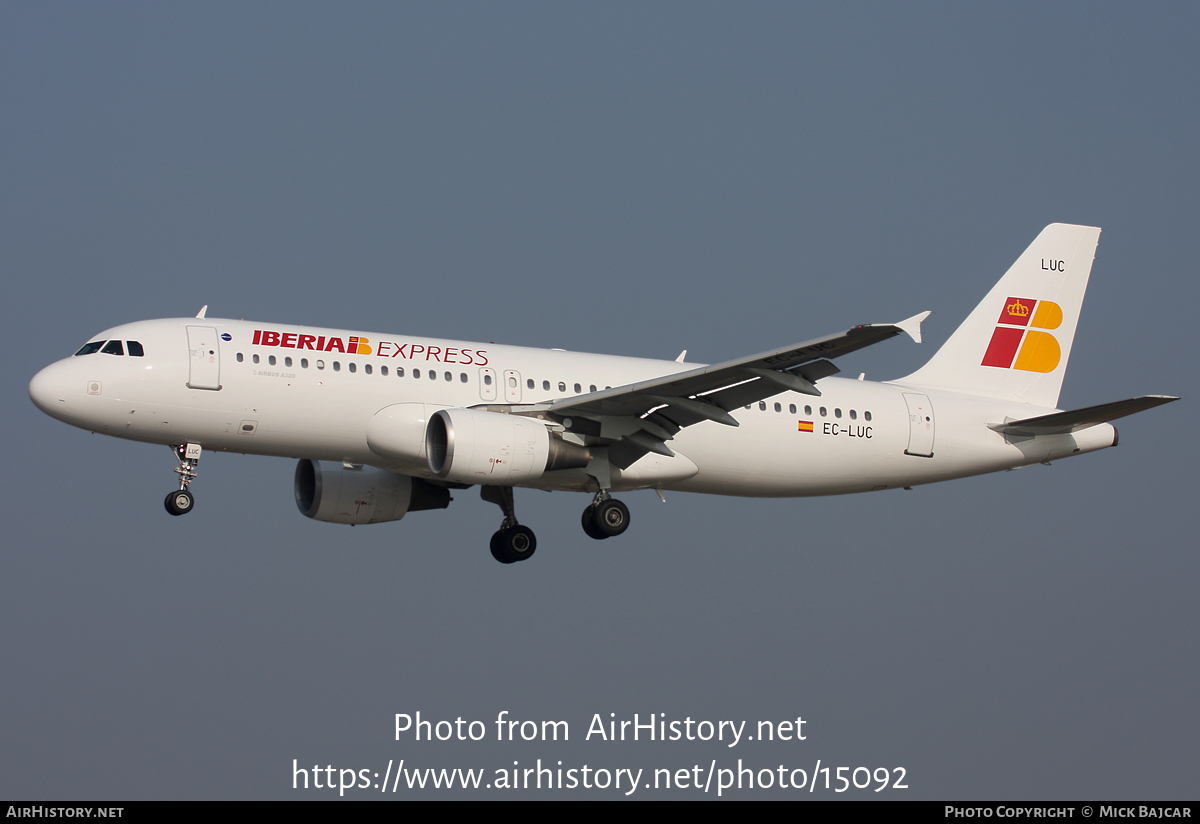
x=1016, y=343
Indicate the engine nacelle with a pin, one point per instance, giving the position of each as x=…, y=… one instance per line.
x=328, y=491
x=397, y=432
x=474, y=447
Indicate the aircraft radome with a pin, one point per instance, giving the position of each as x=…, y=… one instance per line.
x=384, y=424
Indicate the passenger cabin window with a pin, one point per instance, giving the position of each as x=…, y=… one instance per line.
x=135, y=349
x=239, y=357
x=562, y=386
x=254, y=358
x=383, y=371
x=270, y=360
x=462, y=376
x=545, y=384
x=578, y=389
x=90, y=348
x=287, y=362
x=113, y=347
x=529, y=383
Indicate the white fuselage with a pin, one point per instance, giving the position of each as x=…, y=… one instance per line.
x=864, y=435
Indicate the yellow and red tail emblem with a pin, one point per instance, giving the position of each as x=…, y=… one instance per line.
x=1016, y=346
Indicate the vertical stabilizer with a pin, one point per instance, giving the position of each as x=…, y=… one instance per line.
x=1016, y=343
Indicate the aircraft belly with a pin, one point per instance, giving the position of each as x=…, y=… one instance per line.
x=773, y=456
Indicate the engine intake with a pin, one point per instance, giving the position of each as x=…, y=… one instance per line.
x=476, y=447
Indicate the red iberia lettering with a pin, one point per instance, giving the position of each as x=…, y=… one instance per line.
x=305, y=342
x=335, y=344
x=257, y=336
x=270, y=338
x=288, y=340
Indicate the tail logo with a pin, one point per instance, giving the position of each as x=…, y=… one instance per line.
x=1014, y=347
x=1017, y=309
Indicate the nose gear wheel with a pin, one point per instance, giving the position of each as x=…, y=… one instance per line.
x=182, y=501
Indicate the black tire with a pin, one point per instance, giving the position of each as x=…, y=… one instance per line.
x=611, y=517
x=498, y=549
x=519, y=542
x=589, y=524
x=179, y=502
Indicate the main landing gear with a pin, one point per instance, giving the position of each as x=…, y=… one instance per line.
x=181, y=501
x=605, y=517
x=512, y=542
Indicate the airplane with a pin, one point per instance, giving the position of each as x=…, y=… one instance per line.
x=387, y=424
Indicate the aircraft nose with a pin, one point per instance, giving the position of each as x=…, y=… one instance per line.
x=46, y=389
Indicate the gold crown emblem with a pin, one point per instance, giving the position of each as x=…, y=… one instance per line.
x=1018, y=309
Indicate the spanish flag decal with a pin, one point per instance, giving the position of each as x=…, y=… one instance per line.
x=806, y=426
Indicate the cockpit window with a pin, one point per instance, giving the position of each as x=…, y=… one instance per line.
x=90, y=348
x=135, y=349
x=113, y=347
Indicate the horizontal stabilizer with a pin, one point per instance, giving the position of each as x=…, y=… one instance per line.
x=1059, y=423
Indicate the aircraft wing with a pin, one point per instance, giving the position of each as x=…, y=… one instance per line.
x=648, y=413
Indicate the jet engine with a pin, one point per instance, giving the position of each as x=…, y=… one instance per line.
x=397, y=433
x=471, y=446
x=328, y=491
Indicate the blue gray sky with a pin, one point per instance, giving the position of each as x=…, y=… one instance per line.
x=626, y=178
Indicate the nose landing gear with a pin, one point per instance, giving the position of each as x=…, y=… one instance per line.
x=182, y=501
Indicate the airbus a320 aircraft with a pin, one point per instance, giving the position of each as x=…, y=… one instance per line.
x=386, y=424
